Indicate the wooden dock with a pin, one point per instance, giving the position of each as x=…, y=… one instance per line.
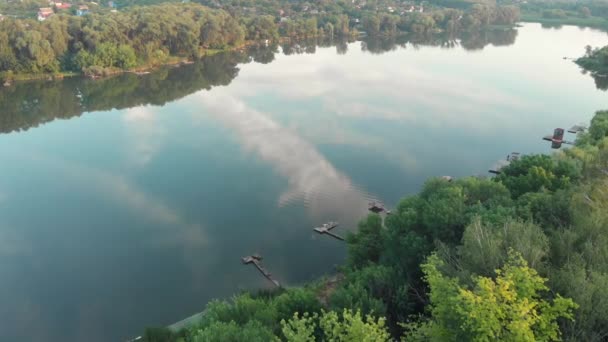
x=511, y=157
x=256, y=259
x=557, y=139
x=325, y=229
x=577, y=128
x=377, y=207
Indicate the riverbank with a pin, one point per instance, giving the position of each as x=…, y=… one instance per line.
x=592, y=22
x=9, y=79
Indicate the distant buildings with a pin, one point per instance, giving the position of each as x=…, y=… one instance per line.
x=82, y=10
x=62, y=5
x=44, y=13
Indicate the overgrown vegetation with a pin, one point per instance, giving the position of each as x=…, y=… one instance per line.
x=104, y=43
x=519, y=257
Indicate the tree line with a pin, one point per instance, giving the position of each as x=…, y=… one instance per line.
x=123, y=40
x=519, y=257
x=102, y=43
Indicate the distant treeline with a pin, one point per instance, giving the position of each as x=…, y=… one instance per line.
x=98, y=44
x=147, y=35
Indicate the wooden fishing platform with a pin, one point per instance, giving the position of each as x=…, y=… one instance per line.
x=577, y=128
x=557, y=139
x=377, y=207
x=513, y=156
x=325, y=229
x=256, y=259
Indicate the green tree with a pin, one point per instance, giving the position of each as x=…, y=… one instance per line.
x=366, y=245
x=486, y=248
x=532, y=173
x=252, y=331
x=344, y=327
x=507, y=308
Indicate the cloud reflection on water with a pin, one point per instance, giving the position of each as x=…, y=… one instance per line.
x=311, y=177
x=146, y=133
x=127, y=194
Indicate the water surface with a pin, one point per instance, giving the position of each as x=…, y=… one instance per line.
x=128, y=202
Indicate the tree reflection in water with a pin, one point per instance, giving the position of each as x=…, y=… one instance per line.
x=30, y=104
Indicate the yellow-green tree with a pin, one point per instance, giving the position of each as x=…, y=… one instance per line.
x=507, y=308
x=345, y=327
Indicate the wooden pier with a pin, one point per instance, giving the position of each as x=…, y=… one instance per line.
x=377, y=207
x=513, y=156
x=325, y=229
x=256, y=259
x=577, y=128
x=557, y=139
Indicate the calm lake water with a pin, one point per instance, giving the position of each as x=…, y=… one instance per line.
x=112, y=220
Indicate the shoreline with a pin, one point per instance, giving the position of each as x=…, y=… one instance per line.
x=172, y=61
x=593, y=22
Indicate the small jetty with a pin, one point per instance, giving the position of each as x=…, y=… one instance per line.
x=447, y=178
x=557, y=139
x=256, y=259
x=496, y=169
x=577, y=128
x=377, y=207
x=325, y=229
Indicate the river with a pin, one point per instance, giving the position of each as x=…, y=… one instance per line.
x=128, y=202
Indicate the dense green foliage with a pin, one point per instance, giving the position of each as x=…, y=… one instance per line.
x=102, y=43
x=143, y=36
x=509, y=308
x=519, y=257
x=330, y=326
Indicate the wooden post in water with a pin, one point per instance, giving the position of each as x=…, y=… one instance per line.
x=256, y=259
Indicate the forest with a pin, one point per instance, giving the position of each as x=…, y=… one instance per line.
x=140, y=38
x=522, y=256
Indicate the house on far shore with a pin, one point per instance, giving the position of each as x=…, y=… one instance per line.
x=82, y=10
x=44, y=13
x=62, y=5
